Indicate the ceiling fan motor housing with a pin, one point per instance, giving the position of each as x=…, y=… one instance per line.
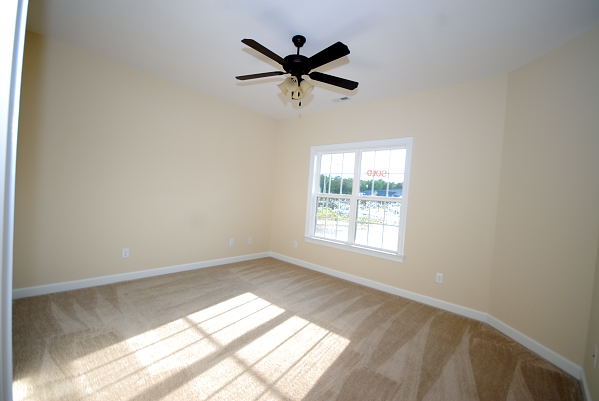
x=296, y=65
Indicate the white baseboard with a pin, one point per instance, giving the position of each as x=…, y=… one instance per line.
x=448, y=306
x=536, y=347
x=115, y=278
x=585, y=387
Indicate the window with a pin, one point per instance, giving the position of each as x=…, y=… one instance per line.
x=358, y=194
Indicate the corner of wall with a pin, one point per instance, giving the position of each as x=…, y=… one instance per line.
x=591, y=367
x=549, y=137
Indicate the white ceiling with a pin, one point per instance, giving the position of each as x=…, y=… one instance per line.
x=397, y=46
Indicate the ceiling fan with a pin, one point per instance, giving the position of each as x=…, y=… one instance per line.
x=297, y=65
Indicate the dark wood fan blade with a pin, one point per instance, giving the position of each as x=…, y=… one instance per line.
x=260, y=75
x=329, y=54
x=330, y=79
x=261, y=49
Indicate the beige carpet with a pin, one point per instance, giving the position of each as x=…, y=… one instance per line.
x=264, y=330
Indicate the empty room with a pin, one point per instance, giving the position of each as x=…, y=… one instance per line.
x=342, y=200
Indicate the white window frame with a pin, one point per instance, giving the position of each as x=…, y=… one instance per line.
x=316, y=153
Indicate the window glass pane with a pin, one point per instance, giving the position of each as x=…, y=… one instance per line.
x=392, y=210
x=361, y=234
x=325, y=173
x=348, y=163
x=381, y=161
x=347, y=184
x=397, y=163
x=324, y=183
x=382, y=172
x=391, y=238
x=337, y=163
x=395, y=185
x=332, y=218
x=375, y=235
x=335, y=185
x=367, y=173
x=325, y=164
x=336, y=173
x=365, y=187
x=378, y=224
x=379, y=186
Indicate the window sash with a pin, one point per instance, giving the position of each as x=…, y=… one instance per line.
x=353, y=213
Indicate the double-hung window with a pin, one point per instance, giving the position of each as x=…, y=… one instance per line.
x=358, y=194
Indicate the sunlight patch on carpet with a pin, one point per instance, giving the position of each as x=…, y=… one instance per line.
x=244, y=347
x=283, y=363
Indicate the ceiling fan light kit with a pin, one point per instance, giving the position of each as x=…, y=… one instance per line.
x=294, y=90
x=297, y=65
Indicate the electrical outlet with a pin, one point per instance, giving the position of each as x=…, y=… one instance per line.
x=250, y=240
x=439, y=278
x=294, y=243
x=125, y=252
x=231, y=242
x=595, y=356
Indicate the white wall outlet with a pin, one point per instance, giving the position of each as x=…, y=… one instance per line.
x=294, y=243
x=250, y=240
x=595, y=356
x=125, y=252
x=231, y=242
x=439, y=278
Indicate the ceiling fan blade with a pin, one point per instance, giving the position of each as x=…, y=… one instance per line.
x=261, y=49
x=260, y=75
x=331, y=53
x=330, y=79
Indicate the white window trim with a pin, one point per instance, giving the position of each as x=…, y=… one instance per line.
x=315, y=152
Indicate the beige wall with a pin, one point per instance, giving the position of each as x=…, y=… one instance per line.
x=592, y=374
x=453, y=195
x=548, y=216
x=110, y=157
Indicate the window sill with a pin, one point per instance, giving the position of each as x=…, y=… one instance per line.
x=355, y=248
